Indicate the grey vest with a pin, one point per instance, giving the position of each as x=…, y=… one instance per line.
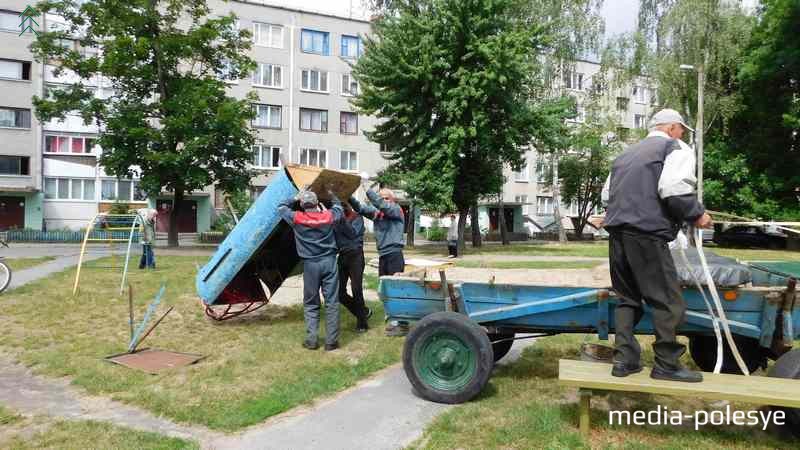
x=634, y=203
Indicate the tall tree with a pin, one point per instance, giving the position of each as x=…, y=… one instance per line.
x=451, y=81
x=169, y=119
x=766, y=132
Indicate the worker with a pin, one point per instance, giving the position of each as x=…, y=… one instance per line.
x=316, y=246
x=452, y=237
x=389, y=225
x=650, y=193
x=350, y=239
x=147, y=216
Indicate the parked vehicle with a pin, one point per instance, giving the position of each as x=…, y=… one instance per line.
x=750, y=236
x=5, y=271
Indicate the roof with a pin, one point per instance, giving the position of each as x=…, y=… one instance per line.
x=304, y=11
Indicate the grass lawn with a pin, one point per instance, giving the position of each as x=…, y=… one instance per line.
x=597, y=249
x=529, y=264
x=756, y=254
x=45, y=433
x=24, y=263
x=255, y=366
x=523, y=407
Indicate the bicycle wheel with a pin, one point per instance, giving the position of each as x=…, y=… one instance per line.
x=5, y=276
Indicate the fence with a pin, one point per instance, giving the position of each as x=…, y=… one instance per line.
x=66, y=236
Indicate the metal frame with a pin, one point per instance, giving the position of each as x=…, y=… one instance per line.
x=136, y=221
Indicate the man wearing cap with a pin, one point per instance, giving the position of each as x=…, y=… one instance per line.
x=316, y=245
x=650, y=193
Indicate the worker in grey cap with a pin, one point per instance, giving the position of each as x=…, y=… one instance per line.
x=650, y=194
x=316, y=245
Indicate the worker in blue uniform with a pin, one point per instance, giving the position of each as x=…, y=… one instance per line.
x=350, y=240
x=316, y=245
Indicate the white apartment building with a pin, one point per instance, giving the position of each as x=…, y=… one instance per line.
x=49, y=175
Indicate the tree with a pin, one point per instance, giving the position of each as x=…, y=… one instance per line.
x=766, y=131
x=169, y=119
x=451, y=81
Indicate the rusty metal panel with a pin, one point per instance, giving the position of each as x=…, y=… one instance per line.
x=154, y=361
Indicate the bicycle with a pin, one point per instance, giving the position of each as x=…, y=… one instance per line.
x=5, y=271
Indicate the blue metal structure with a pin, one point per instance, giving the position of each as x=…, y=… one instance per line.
x=753, y=312
x=259, y=249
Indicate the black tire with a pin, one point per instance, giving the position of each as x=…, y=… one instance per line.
x=788, y=366
x=704, y=353
x=501, y=348
x=5, y=271
x=447, y=358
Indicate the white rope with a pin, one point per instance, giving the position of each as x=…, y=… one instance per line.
x=720, y=310
x=714, y=318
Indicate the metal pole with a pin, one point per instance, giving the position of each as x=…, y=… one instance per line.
x=701, y=81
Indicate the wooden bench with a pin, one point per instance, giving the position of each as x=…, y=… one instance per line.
x=588, y=376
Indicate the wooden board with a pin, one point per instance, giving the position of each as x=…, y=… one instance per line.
x=317, y=179
x=753, y=389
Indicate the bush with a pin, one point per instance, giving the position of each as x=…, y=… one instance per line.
x=436, y=233
x=119, y=208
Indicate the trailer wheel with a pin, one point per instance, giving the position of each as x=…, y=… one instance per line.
x=501, y=348
x=447, y=358
x=788, y=366
x=704, y=353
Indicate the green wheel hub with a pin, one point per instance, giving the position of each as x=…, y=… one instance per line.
x=444, y=361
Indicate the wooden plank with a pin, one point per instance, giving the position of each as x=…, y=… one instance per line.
x=584, y=411
x=754, y=389
x=317, y=180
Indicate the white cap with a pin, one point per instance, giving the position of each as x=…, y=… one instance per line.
x=666, y=116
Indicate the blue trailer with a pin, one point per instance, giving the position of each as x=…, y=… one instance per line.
x=259, y=253
x=460, y=329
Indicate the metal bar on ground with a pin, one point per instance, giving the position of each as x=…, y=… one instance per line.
x=150, y=330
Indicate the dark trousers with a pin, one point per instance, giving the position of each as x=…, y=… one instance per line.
x=148, y=259
x=321, y=273
x=351, y=266
x=391, y=264
x=642, y=270
x=452, y=248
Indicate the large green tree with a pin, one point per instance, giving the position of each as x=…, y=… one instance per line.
x=169, y=119
x=766, y=131
x=450, y=81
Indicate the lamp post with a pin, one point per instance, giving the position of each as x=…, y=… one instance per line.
x=698, y=134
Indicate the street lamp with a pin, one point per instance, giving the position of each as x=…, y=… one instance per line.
x=698, y=133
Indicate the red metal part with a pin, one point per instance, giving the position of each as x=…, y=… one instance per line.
x=225, y=312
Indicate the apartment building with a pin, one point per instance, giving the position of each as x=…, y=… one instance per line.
x=50, y=176
x=21, y=198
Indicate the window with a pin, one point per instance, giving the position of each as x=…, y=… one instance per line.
x=15, y=118
x=10, y=21
x=640, y=94
x=639, y=121
x=523, y=199
x=544, y=206
x=349, y=85
x=543, y=171
x=315, y=80
x=268, y=35
x=351, y=46
x=267, y=116
x=348, y=123
x=14, y=165
x=16, y=70
x=314, y=157
x=69, y=189
x=312, y=41
x=522, y=174
x=348, y=161
x=266, y=156
x=573, y=80
x=622, y=103
x=268, y=75
x=225, y=72
x=68, y=144
x=123, y=190
x=313, y=120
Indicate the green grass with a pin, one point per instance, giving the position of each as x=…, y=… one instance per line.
x=523, y=407
x=7, y=416
x=96, y=435
x=254, y=368
x=757, y=255
x=529, y=264
x=596, y=249
x=25, y=263
x=371, y=281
